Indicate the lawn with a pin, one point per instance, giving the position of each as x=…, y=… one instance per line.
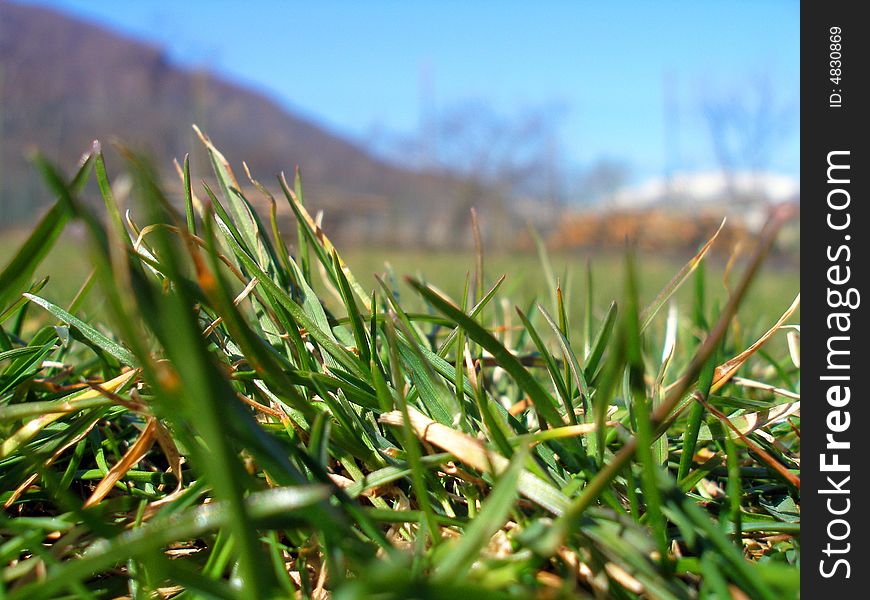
x=212, y=415
x=68, y=265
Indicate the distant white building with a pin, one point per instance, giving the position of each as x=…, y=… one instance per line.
x=743, y=193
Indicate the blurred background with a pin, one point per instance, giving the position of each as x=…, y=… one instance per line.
x=585, y=122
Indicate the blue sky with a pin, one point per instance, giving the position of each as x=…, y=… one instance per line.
x=358, y=67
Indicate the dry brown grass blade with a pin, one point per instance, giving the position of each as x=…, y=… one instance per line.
x=236, y=301
x=173, y=456
x=748, y=423
x=34, y=426
x=464, y=447
x=518, y=407
x=218, y=156
x=761, y=419
x=794, y=345
x=726, y=370
x=758, y=385
x=170, y=450
x=131, y=404
x=260, y=187
x=136, y=453
x=12, y=499
x=266, y=410
x=767, y=458
x=624, y=578
x=472, y=452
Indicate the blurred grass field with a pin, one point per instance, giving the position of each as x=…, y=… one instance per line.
x=220, y=417
x=525, y=279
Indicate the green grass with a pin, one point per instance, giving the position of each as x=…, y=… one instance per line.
x=214, y=416
x=68, y=265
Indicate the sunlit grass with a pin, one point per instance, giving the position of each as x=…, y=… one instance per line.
x=220, y=413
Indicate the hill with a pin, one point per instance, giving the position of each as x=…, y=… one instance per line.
x=65, y=82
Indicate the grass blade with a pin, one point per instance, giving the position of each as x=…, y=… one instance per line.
x=92, y=335
x=542, y=400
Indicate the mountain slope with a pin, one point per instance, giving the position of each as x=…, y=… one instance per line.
x=64, y=82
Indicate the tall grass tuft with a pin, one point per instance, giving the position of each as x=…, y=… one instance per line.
x=225, y=413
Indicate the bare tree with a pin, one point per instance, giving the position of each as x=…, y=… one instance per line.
x=499, y=160
x=599, y=181
x=748, y=125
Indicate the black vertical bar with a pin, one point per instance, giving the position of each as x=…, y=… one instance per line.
x=835, y=261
